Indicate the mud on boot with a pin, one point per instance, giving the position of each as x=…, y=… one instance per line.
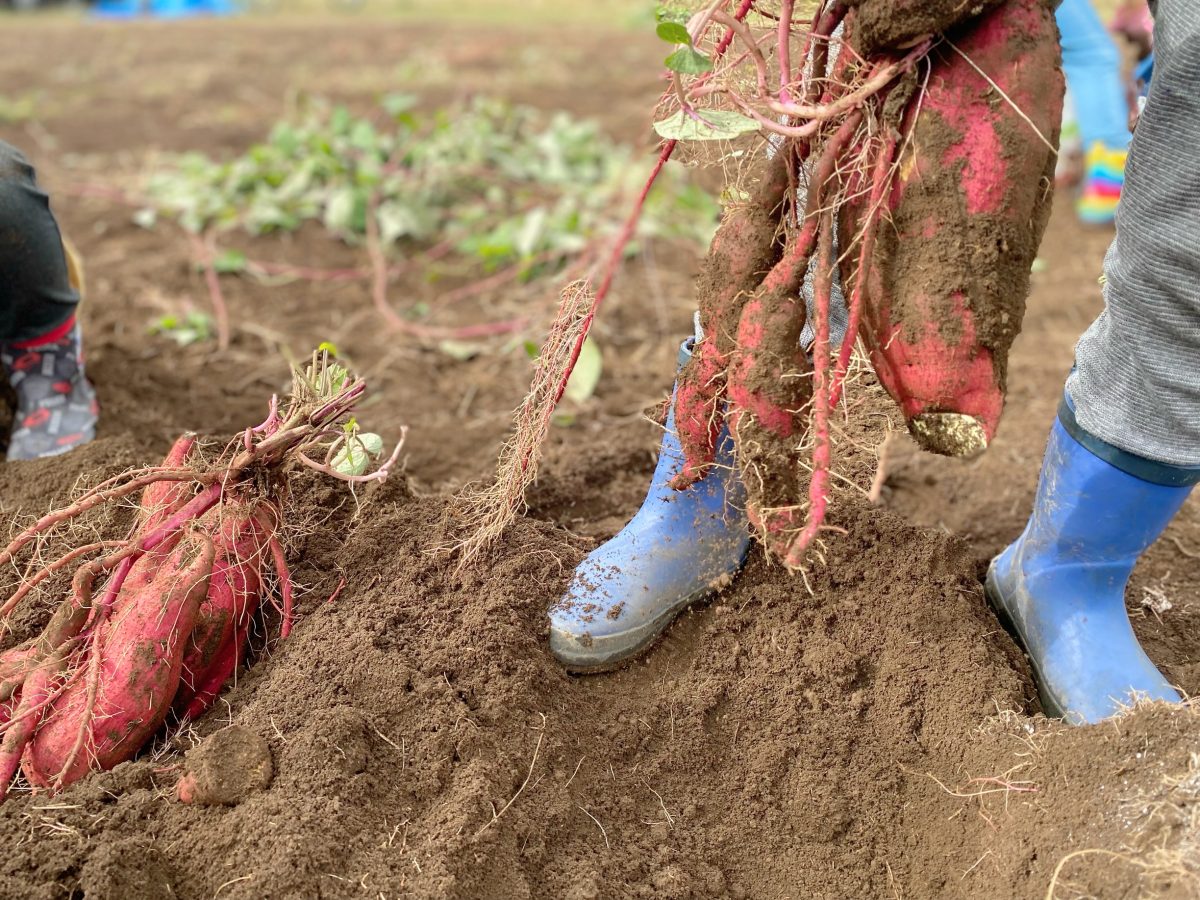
x=680, y=547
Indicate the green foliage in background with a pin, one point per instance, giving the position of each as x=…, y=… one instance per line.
x=18, y=108
x=190, y=328
x=504, y=184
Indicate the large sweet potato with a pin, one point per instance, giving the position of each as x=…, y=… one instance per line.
x=743, y=251
x=945, y=293
x=105, y=717
x=217, y=641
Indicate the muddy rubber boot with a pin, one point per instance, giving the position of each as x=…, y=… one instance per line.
x=680, y=547
x=56, y=406
x=1060, y=588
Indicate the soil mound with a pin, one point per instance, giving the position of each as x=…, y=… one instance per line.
x=861, y=740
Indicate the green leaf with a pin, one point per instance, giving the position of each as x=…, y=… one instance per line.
x=586, y=375
x=527, y=239
x=667, y=14
x=336, y=376
x=327, y=347
x=397, y=220
x=718, y=125
x=688, y=61
x=460, y=350
x=356, y=454
x=531, y=349
x=673, y=33
x=371, y=442
x=230, y=261
x=397, y=104
x=340, y=209
x=193, y=328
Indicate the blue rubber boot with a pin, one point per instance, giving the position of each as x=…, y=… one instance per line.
x=680, y=547
x=1060, y=588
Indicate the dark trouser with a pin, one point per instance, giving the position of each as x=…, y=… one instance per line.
x=36, y=296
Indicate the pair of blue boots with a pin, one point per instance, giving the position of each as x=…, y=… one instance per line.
x=1060, y=588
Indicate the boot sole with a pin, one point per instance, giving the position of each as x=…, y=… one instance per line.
x=623, y=648
x=1050, y=706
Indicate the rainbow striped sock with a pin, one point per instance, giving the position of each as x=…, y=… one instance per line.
x=1103, y=179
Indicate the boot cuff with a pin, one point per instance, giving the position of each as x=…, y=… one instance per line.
x=1149, y=470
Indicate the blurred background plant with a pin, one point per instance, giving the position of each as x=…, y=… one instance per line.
x=497, y=183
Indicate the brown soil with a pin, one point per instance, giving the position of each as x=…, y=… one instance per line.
x=877, y=737
x=881, y=25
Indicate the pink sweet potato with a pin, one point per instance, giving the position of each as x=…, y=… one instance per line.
x=109, y=711
x=159, y=501
x=92, y=687
x=216, y=644
x=197, y=696
x=163, y=499
x=743, y=250
x=946, y=288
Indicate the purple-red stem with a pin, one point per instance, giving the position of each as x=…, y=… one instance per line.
x=785, y=49
x=205, y=251
x=285, y=584
x=627, y=230
x=879, y=183
x=90, y=501
x=193, y=509
x=818, y=487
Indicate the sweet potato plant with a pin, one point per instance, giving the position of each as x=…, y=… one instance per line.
x=909, y=149
x=925, y=144
x=157, y=621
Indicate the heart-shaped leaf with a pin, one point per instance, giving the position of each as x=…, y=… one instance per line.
x=712, y=125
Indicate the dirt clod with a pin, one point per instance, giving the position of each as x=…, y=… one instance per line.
x=226, y=767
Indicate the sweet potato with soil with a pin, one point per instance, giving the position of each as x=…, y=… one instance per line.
x=744, y=249
x=97, y=724
x=216, y=642
x=91, y=688
x=946, y=286
x=768, y=392
x=225, y=768
x=932, y=133
x=883, y=25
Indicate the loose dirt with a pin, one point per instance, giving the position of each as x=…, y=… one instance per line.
x=877, y=736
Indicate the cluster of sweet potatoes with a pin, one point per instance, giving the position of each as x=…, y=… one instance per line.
x=168, y=639
x=158, y=622
x=928, y=151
